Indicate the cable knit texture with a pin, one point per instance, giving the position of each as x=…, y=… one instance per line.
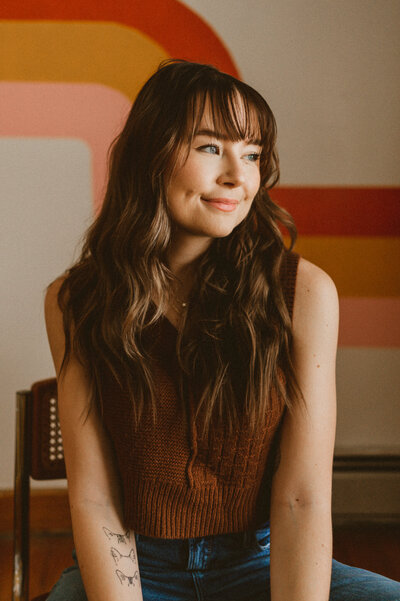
x=176, y=484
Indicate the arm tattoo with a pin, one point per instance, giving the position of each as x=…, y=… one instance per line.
x=125, y=563
x=128, y=580
x=117, y=556
x=120, y=538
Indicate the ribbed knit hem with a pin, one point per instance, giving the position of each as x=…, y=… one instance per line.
x=167, y=510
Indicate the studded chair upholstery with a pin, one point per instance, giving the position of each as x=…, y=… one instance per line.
x=38, y=455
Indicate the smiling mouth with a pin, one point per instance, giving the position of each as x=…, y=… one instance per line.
x=223, y=204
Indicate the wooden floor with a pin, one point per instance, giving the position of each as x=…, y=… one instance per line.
x=373, y=547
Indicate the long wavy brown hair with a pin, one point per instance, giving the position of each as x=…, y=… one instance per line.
x=234, y=342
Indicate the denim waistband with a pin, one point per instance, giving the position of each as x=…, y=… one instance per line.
x=239, y=535
x=200, y=553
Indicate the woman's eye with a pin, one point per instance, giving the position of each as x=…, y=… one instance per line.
x=211, y=148
x=253, y=156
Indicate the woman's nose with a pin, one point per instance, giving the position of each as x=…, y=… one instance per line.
x=232, y=173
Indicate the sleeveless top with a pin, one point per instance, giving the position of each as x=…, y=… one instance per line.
x=176, y=484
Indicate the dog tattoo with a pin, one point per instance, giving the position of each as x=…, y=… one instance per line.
x=128, y=580
x=120, y=538
x=117, y=556
x=123, y=561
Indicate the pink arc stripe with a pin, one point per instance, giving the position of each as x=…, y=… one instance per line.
x=369, y=322
x=91, y=112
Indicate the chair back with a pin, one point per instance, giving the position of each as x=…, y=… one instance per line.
x=38, y=454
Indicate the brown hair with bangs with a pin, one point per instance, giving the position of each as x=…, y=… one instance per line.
x=235, y=338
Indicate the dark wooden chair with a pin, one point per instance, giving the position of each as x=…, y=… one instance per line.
x=38, y=455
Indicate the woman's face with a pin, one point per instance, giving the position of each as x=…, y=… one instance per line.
x=212, y=192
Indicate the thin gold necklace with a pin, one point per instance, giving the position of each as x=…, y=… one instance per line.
x=178, y=305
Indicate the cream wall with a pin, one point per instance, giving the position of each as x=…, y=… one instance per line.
x=42, y=181
x=330, y=70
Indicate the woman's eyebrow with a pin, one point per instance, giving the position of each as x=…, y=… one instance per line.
x=220, y=136
x=212, y=133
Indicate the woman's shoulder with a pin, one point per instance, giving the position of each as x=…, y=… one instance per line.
x=54, y=321
x=51, y=304
x=316, y=302
x=53, y=288
x=312, y=280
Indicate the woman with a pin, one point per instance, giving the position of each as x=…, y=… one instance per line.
x=195, y=359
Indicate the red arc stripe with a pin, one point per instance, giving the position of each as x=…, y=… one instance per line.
x=338, y=211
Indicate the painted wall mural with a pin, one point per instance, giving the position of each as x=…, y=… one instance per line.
x=90, y=46
x=69, y=72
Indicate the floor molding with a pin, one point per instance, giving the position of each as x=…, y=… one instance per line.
x=49, y=511
x=359, y=496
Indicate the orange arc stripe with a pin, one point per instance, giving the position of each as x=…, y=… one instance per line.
x=106, y=53
x=359, y=266
x=174, y=26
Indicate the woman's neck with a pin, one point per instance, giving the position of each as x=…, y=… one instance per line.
x=183, y=253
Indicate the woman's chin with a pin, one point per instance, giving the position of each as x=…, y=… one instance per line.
x=215, y=230
x=219, y=232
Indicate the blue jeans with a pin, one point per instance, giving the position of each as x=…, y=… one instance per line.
x=227, y=567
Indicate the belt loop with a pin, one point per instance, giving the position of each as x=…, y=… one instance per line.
x=247, y=539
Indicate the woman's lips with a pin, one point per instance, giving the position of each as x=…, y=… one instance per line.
x=223, y=204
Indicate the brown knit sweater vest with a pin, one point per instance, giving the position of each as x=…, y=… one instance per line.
x=176, y=484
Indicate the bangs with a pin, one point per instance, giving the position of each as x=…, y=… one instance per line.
x=233, y=114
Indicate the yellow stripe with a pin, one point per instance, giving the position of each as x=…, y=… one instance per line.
x=359, y=266
x=114, y=55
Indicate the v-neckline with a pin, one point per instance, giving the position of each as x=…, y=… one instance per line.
x=164, y=318
x=169, y=323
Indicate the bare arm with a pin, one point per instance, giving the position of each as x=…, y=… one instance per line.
x=301, y=527
x=106, y=550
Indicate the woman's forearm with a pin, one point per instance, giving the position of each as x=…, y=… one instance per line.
x=106, y=553
x=301, y=553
